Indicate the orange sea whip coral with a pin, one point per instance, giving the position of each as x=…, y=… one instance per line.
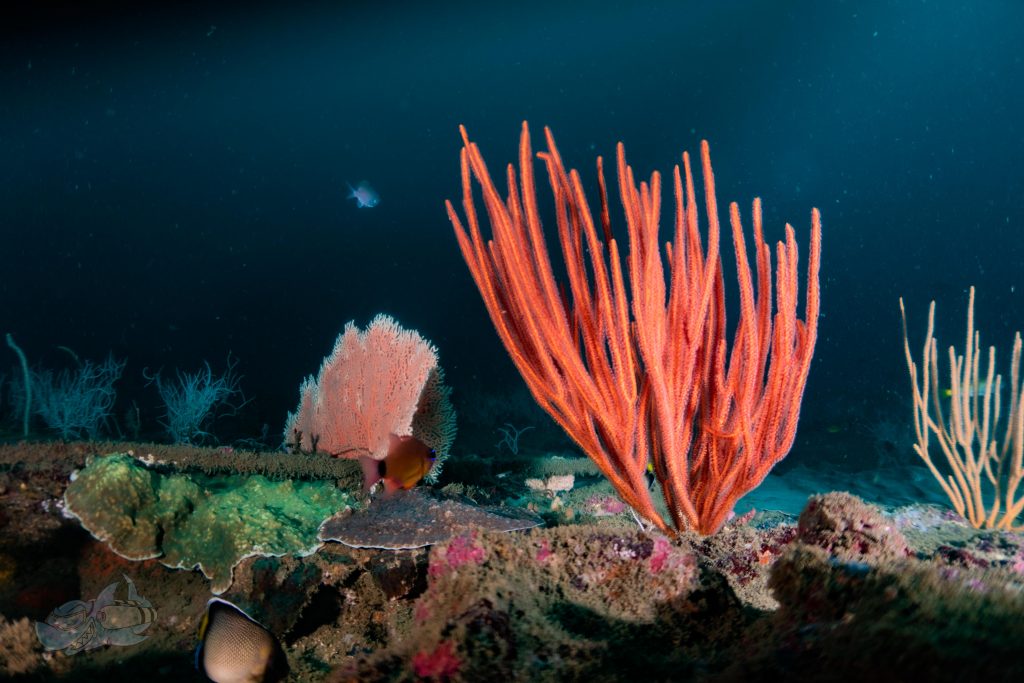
x=633, y=362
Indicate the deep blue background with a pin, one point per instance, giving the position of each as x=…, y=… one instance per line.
x=172, y=181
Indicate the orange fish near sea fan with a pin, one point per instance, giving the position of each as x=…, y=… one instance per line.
x=407, y=462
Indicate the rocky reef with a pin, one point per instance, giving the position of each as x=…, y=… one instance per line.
x=847, y=591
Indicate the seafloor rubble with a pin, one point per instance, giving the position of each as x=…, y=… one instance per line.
x=843, y=593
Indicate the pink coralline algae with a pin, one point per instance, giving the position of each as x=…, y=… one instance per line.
x=603, y=506
x=441, y=663
x=660, y=554
x=459, y=551
x=421, y=612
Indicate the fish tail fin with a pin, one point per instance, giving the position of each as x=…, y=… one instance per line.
x=371, y=471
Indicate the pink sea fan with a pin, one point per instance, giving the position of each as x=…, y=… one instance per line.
x=383, y=381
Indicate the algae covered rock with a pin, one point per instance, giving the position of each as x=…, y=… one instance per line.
x=205, y=522
x=579, y=603
x=850, y=529
x=900, y=620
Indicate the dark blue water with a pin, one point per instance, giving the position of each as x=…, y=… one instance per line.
x=173, y=182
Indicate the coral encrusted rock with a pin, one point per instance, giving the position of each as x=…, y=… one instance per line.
x=209, y=523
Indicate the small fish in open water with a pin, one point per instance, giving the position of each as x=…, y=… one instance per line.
x=366, y=197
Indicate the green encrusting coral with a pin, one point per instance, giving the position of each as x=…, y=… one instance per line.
x=209, y=522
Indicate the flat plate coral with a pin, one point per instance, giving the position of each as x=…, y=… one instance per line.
x=198, y=521
x=417, y=518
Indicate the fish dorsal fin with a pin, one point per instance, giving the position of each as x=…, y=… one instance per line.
x=106, y=597
x=220, y=604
